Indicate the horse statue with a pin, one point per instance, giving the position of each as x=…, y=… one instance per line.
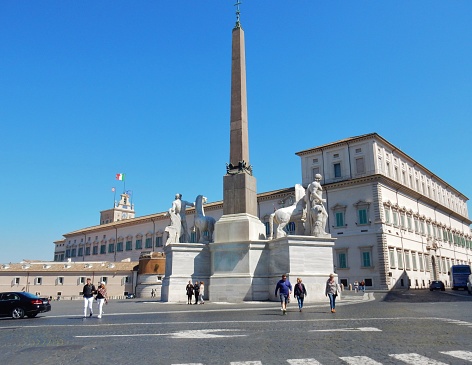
x=202, y=222
x=284, y=216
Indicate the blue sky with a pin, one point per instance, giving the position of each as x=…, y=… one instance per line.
x=89, y=89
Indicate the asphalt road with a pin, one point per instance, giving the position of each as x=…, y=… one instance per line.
x=402, y=327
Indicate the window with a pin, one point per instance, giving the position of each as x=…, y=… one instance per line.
x=103, y=249
x=362, y=216
x=148, y=243
x=60, y=280
x=360, y=165
x=342, y=259
x=362, y=212
x=366, y=258
x=139, y=244
x=119, y=246
x=413, y=260
x=420, y=260
x=444, y=267
x=337, y=170
x=387, y=215
x=111, y=248
x=68, y=253
x=391, y=256
x=129, y=245
x=339, y=219
x=395, y=218
x=38, y=281
x=402, y=220
x=16, y=281
x=81, y=280
x=159, y=240
x=95, y=250
x=73, y=252
x=289, y=228
x=400, y=259
x=409, y=223
x=314, y=171
x=104, y=279
x=426, y=262
x=80, y=252
x=87, y=251
x=407, y=260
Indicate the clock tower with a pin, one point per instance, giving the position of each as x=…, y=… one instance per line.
x=122, y=210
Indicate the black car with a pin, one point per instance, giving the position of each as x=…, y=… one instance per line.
x=437, y=285
x=19, y=304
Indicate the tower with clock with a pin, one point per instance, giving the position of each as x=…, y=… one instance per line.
x=121, y=210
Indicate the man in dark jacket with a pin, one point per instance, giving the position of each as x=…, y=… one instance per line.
x=88, y=292
x=285, y=289
x=196, y=289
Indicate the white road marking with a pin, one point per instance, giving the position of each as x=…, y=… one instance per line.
x=359, y=329
x=246, y=363
x=303, y=362
x=416, y=359
x=197, y=334
x=360, y=360
x=463, y=355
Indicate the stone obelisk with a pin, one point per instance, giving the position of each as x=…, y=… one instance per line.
x=239, y=221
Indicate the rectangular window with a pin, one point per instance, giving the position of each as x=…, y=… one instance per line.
x=68, y=253
x=407, y=260
x=119, y=246
x=339, y=219
x=95, y=250
x=420, y=260
x=402, y=220
x=360, y=165
x=395, y=218
x=60, y=280
x=387, y=216
x=81, y=280
x=104, y=279
x=342, y=260
x=38, y=281
x=148, y=243
x=73, y=252
x=362, y=216
x=139, y=244
x=129, y=245
x=111, y=248
x=417, y=226
x=366, y=259
x=81, y=252
x=314, y=171
x=337, y=170
x=413, y=260
x=103, y=249
x=391, y=256
x=87, y=251
x=159, y=241
x=426, y=262
x=17, y=281
x=400, y=260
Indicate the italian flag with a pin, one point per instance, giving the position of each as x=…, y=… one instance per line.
x=120, y=177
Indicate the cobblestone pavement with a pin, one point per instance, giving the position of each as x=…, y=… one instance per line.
x=403, y=327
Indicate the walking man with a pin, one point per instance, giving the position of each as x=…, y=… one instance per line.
x=285, y=290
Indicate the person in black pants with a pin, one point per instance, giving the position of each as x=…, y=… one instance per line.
x=189, y=289
x=196, y=289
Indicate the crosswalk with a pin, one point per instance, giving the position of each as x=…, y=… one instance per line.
x=407, y=358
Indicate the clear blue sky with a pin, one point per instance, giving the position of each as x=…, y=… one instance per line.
x=89, y=89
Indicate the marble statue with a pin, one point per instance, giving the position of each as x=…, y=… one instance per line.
x=202, y=222
x=175, y=226
x=316, y=214
x=179, y=206
x=285, y=215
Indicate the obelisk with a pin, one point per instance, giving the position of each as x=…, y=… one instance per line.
x=239, y=221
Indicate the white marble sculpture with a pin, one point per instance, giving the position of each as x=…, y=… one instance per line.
x=202, y=222
x=179, y=206
x=316, y=214
x=283, y=216
x=175, y=226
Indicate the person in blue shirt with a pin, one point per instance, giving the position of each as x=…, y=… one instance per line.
x=284, y=288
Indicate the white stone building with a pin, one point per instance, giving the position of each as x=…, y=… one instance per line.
x=396, y=223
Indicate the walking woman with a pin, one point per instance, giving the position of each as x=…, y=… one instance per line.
x=201, y=293
x=102, y=297
x=189, y=289
x=299, y=292
x=332, y=291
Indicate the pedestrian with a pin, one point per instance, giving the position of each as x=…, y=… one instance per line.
x=88, y=292
x=196, y=290
x=332, y=291
x=201, y=293
x=356, y=286
x=299, y=291
x=189, y=289
x=285, y=290
x=362, y=287
x=102, y=297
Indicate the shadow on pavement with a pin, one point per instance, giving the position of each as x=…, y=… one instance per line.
x=426, y=296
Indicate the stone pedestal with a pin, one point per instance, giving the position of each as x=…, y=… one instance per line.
x=240, y=227
x=184, y=262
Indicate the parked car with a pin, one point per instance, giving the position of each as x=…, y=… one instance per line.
x=130, y=296
x=469, y=284
x=19, y=304
x=437, y=285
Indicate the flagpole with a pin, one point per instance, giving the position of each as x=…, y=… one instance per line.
x=124, y=183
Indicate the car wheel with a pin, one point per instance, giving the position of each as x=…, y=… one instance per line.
x=18, y=313
x=32, y=315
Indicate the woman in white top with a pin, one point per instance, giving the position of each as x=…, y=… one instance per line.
x=201, y=293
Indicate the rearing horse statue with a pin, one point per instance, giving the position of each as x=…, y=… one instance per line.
x=202, y=222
